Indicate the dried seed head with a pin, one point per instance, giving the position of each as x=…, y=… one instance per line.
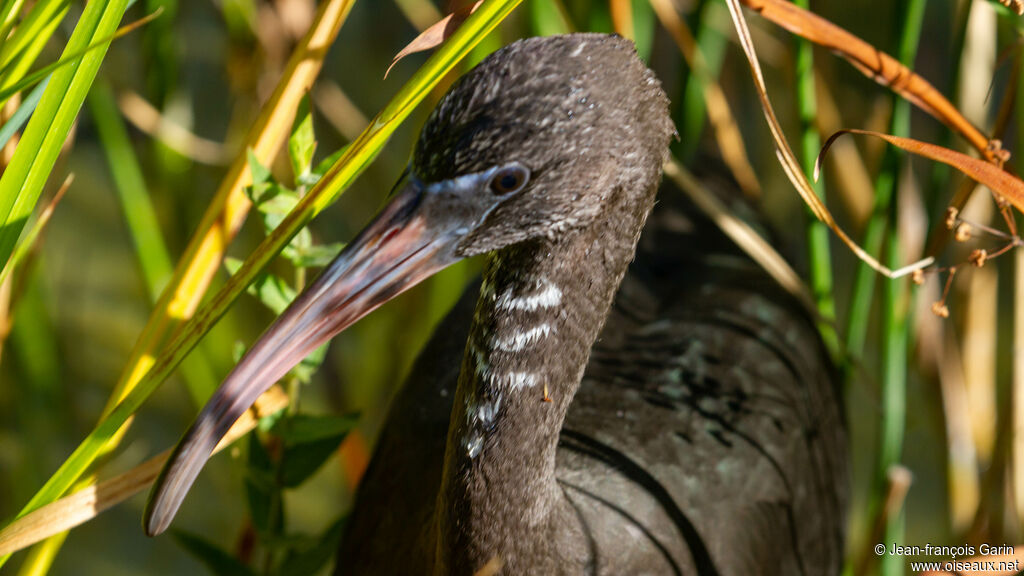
x=917, y=276
x=978, y=257
x=995, y=146
x=1015, y=5
x=951, y=214
x=963, y=232
x=1001, y=200
x=940, y=310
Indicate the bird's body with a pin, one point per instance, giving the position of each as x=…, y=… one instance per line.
x=700, y=434
x=706, y=436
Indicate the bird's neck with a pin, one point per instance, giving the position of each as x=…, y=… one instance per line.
x=541, y=307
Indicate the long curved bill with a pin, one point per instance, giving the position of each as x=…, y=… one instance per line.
x=413, y=237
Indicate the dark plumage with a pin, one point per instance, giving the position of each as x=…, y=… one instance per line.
x=700, y=434
x=706, y=436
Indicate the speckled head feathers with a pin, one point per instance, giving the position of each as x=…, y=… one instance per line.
x=580, y=111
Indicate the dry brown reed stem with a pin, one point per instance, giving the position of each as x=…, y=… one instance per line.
x=791, y=165
x=962, y=458
x=84, y=505
x=622, y=18
x=1017, y=389
x=726, y=131
x=148, y=119
x=874, y=64
x=230, y=206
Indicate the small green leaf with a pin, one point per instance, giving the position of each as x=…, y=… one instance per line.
x=260, y=173
x=277, y=200
x=269, y=289
x=315, y=256
x=216, y=560
x=305, y=428
x=326, y=163
x=307, y=560
x=261, y=489
x=237, y=352
x=262, y=193
x=305, y=369
x=273, y=292
x=309, y=442
x=302, y=142
x=270, y=420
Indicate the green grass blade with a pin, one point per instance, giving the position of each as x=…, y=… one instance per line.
x=6, y=91
x=23, y=180
x=356, y=158
x=644, y=25
x=9, y=10
x=21, y=115
x=896, y=312
x=131, y=188
x=874, y=234
x=547, y=17
x=23, y=47
x=712, y=44
x=818, y=253
x=143, y=224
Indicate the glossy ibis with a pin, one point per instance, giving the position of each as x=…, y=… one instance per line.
x=681, y=421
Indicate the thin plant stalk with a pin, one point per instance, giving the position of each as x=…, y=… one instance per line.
x=23, y=180
x=143, y=225
x=222, y=220
x=818, y=253
x=355, y=159
x=711, y=44
x=895, y=301
x=230, y=206
x=861, y=297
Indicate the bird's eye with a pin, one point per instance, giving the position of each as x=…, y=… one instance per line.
x=509, y=179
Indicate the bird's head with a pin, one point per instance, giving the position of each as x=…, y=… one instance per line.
x=541, y=138
x=542, y=134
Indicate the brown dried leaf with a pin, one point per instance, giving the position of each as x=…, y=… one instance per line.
x=435, y=35
x=788, y=160
x=874, y=64
x=1003, y=183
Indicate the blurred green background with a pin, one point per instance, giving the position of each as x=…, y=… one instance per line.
x=206, y=66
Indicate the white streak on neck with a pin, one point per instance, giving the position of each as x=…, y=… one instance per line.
x=520, y=340
x=548, y=297
x=517, y=380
